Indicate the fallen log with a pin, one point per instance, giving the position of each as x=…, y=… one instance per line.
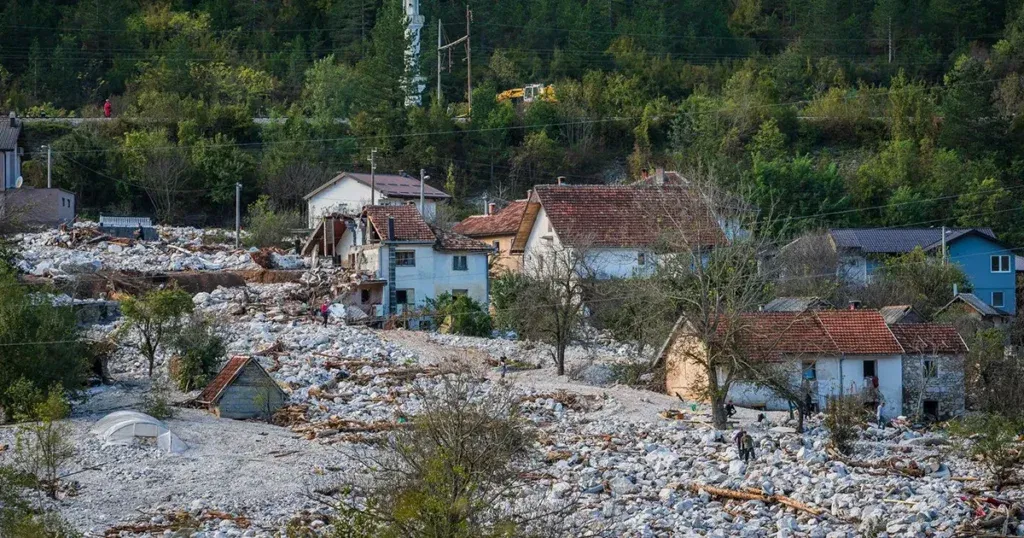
x=749, y=496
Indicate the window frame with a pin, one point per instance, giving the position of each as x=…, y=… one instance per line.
x=460, y=293
x=1002, y=299
x=411, y=255
x=996, y=263
x=496, y=245
x=407, y=292
x=874, y=368
x=641, y=258
x=456, y=266
x=929, y=369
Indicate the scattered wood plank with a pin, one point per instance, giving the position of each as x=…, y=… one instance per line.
x=751, y=496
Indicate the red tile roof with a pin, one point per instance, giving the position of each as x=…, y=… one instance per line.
x=227, y=374
x=928, y=338
x=770, y=335
x=409, y=224
x=503, y=222
x=617, y=216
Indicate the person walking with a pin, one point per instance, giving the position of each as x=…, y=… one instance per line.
x=324, y=311
x=730, y=409
x=107, y=109
x=748, y=448
x=738, y=439
x=503, y=363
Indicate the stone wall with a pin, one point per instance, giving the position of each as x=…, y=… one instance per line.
x=946, y=387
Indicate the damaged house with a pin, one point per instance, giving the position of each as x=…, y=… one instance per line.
x=498, y=228
x=402, y=260
x=348, y=192
x=909, y=369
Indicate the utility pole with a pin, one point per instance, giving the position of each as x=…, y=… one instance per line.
x=440, y=30
x=423, y=179
x=890, y=39
x=373, y=176
x=238, y=214
x=49, y=167
x=469, y=62
x=943, y=245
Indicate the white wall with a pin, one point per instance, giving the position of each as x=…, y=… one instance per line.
x=433, y=273
x=889, y=370
x=349, y=196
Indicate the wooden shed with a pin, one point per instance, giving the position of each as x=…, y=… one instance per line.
x=243, y=389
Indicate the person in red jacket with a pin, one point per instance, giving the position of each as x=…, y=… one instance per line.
x=107, y=109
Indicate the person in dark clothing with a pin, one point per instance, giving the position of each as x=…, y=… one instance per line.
x=139, y=233
x=324, y=311
x=730, y=409
x=738, y=439
x=808, y=403
x=747, y=452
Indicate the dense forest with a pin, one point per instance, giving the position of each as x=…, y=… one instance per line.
x=884, y=112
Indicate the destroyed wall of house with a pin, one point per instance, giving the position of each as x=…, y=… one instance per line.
x=933, y=384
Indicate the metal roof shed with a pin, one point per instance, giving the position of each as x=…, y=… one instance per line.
x=242, y=390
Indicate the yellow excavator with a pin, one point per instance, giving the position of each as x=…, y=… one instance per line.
x=528, y=94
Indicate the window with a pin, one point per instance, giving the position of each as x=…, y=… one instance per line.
x=550, y=228
x=497, y=246
x=810, y=371
x=869, y=368
x=931, y=409
x=1001, y=264
x=459, y=263
x=641, y=258
x=460, y=293
x=997, y=299
x=405, y=258
x=404, y=297
x=364, y=296
x=930, y=369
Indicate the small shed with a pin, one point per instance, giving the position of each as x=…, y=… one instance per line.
x=127, y=226
x=243, y=389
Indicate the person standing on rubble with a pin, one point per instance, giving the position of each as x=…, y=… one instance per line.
x=747, y=452
x=324, y=311
x=503, y=364
x=730, y=409
x=738, y=439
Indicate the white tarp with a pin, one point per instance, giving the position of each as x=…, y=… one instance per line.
x=124, y=427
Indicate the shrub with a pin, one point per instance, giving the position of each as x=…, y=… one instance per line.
x=843, y=415
x=198, y=349
x=44, y=447
x=155, y=318
x=48, y=350
x=460, y=315
x=505, y=292
x=18, y=518
x=266, y=227
x=157, y=402
x=993, y=440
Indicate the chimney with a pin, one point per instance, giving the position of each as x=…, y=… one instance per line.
x=956, y=291
x=855, y=305
x=391, y=228
x=401, y=173
x=14, y=119
x=490, y=208
x=561, y=180
x=529, y=194
x=644, y=174
x=659, y=176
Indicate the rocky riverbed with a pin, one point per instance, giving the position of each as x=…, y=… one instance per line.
x=607, y=450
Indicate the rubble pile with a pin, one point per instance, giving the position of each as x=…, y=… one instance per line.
x=83, y=249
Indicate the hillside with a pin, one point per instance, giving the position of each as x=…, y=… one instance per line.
x=832, y=111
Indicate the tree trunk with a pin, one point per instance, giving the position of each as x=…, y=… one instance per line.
x=560, y=358
x=718, y=416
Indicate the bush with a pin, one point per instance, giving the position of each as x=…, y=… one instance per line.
x=44, y=447
x=993, y=440
x=42, y=346
x=268, y=228
x=18, y=518
x=505, y=292
x=157, y=402
x=198, y=349
x=842, y=417
x=460, y=315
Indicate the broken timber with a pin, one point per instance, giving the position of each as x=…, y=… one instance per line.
x=751, y=496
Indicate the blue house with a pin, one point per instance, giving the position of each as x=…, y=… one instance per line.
x=990, y=265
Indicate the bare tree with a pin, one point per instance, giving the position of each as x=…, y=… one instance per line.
x=550, y=304
x=809, y=266
x=294, y=180
x=164, y=174
x=714, y=283
x=459, y=471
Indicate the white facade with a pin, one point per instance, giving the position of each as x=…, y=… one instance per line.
x=434, y=271
x=606, y=263
x=834, y=376
x=348, y=196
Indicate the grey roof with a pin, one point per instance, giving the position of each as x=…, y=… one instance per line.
x=894, y=240
x=896, y=313
x=976, y=303
x=8, y=135
x=387, y=184
x=797, y=304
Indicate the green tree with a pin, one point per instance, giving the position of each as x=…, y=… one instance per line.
x=921, y=280
x=153, y=319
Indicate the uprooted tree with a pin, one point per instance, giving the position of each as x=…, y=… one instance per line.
x=714, y=280
x=457, y=472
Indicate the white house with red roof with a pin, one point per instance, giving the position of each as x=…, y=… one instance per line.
x=909, y=368
x=348, y=192
x=619, y=227
x=407, y=261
